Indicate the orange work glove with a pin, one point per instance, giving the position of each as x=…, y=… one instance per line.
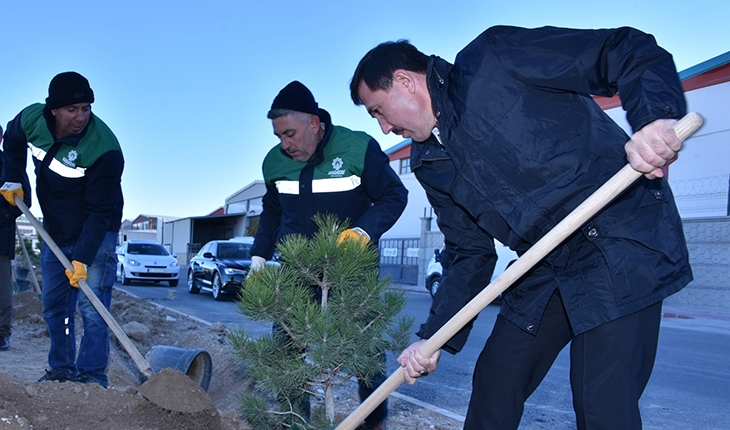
x=355, y=234
x=78, y=273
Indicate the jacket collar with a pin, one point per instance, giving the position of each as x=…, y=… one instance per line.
x=318, y=156
x=437, y=80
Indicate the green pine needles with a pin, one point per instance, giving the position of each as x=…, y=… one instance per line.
x=333, y=319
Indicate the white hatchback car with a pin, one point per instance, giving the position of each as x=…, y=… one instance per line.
x=145, y=260
x=434, y=269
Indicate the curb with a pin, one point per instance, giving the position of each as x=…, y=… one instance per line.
x=669, y=312
x=691, y=313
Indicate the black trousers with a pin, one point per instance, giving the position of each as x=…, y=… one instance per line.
x=6, y=296
x=610, y=366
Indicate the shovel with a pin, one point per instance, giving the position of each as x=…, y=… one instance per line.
x=197, y=361
x=574, y=220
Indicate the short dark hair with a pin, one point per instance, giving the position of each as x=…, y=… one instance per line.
x=377, y=66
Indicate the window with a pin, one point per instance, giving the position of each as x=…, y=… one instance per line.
x=256, y=205
x=234, y=250
x=405, y=166
x=205, y=248
x=237, y=207
x=146, y=249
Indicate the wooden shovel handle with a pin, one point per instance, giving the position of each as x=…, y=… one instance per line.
x=139, y=360
x=579, y=216
x=27, y=260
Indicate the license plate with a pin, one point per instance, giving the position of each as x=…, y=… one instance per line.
x=156, y=270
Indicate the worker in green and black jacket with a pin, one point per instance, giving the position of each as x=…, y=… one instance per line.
x=78, y=168
x=323, y=168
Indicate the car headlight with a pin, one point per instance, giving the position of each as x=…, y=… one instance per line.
x=229, y=271
x=174, y=264
x=133, y=262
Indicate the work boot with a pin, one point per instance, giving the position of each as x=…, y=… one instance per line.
x=382, y=425
x=57, y=375
x=85, y=378
x=4, y=343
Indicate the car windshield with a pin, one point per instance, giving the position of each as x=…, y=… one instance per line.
x=238, y=251
x=146, y=249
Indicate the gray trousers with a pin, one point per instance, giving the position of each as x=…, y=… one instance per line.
x=6, y=296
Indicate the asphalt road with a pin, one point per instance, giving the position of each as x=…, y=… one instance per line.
x=688, y=388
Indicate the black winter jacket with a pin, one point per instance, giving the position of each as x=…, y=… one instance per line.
x=523, y=145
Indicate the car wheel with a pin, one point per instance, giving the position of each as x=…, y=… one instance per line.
x=173, y=283
x=433, y=285
x=125, y=280
x=192, y=288
x=217, y=287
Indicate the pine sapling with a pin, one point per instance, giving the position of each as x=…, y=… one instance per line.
x=333, y=319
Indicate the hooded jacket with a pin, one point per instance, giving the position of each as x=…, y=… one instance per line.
x=348, y=176
x=522, y=145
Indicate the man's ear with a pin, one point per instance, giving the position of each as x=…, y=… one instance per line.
x=314, y=123
x=404, y=79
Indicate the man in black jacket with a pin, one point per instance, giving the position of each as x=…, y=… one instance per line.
x=507, y=141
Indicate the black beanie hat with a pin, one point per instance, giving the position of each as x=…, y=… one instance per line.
x=68, y=88
x=297, y=97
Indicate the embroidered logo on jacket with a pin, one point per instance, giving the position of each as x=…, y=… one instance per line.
x=337, y=166
x=70, y=158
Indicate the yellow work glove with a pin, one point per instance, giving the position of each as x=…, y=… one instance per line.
x=9, y=190
x=78, y=273
x=355, y=234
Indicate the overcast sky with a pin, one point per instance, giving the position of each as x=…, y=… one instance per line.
x=186, y=85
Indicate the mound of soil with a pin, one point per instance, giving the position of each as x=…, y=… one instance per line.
x=180, y=403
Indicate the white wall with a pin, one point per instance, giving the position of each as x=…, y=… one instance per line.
x=409, y=223
x=699, y=177
x=176, y=235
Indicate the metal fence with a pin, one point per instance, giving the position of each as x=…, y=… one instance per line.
x=399, y=259
x=702, y=197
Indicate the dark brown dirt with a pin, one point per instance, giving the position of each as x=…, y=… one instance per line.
x=180, y=404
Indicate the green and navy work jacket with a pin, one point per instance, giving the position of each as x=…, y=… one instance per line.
x=349, y=176
x=79, y=189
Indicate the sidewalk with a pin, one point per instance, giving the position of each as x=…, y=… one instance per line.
x=410, y=287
